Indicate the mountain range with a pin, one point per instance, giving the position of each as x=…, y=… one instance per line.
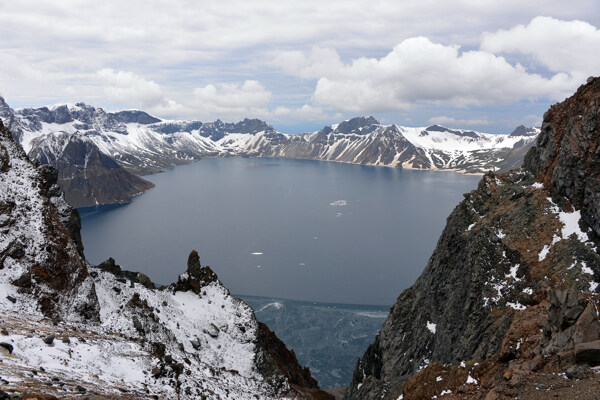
x=100, y=154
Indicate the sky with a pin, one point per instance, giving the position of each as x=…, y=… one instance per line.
x=487, y=65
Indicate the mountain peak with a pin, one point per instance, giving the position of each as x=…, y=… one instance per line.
x=522, y=130
x=134, y=116
x=356, y=125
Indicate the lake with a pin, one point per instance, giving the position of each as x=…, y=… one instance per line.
x=293, y=229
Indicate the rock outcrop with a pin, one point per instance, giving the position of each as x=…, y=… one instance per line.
x=508, y=302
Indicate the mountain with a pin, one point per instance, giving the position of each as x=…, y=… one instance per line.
x=74, y=330
x=366, y=141
x=507, y=305
x=133, y=142
x=87, y=175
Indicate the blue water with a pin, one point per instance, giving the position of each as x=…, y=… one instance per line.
x=326, y=232
x=327, y=338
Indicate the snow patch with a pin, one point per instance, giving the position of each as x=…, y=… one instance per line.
x=431, y=326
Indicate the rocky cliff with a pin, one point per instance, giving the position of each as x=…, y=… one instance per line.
x=507, y=305
x=71, y=330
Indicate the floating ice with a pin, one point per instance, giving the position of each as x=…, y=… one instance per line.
x=338, y=203
x=257, y=253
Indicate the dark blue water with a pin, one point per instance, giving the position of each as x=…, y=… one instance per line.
x=326, y=231
x=327, y=338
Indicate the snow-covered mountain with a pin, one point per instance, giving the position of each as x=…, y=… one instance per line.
x=71, y=330
x=143, y=144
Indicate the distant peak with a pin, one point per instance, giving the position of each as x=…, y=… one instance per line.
x=437, y=128
x=522, y=130
x=355, y=124
x=135, y=116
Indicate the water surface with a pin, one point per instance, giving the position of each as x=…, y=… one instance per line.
x=327, y=338
x=295, y=229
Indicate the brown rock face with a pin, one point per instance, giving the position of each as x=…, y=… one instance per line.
x=567, y=156
x=56, y=274
x=510, y=296
x=275, y=359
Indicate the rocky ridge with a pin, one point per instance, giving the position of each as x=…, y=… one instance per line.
x=70, y=136
x=508, y=303
x=71, y=330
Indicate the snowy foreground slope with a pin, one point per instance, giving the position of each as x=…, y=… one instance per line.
x=70, y=137
x=70, y=330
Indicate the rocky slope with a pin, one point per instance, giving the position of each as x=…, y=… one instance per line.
x=508, y=303
x=70, y=330
x=133, y=141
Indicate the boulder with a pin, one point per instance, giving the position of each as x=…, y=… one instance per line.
x=588, y=353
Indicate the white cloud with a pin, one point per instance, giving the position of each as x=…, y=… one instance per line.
x=567, y=46
x=318, y=62
x=231, y=96
x=123, y=87
x=306, y=112
x=420, y=71
x=453, y=122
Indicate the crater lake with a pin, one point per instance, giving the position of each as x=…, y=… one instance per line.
x=293, y=229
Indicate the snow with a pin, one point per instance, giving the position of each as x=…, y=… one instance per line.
x=570, y=223
x=585, y=269
x=546, y=249
x=431, y=326
x=470, y=380
x=471, y=226
x=538, y=185
x=438, y=379
x=516, y=306
x=513, y=272
x=446, y=391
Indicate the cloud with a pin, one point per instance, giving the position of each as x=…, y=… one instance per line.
x=232, y=96
x=123, y=87
x=450, y=121
x=318, y=62
x=567, y=46
x=306, y=112
x=420, y=71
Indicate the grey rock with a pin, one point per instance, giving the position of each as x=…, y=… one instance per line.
x=212, y=331
x=49, y=339
x=7, y=346
x=578, y=372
